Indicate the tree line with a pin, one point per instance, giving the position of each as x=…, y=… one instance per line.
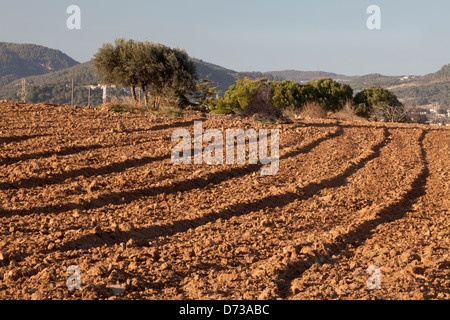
x=161, y=72
x=373, y=102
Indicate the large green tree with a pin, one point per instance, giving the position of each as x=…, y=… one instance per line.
x=114, y=63
x=157, y=69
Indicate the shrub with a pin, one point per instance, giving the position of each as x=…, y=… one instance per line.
x=330, y=94
x=348, y=112
x=389, y=113
x=287, y=95
x=237, y=97
x=313, y=110
x=327, y=93
x=379, y=104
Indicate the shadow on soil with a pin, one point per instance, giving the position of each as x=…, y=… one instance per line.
x=86, y=172
x=361, y=233
x=47, y=154
x=127, y=197
x=240, y=209
x=5, y=140
x=146, y=234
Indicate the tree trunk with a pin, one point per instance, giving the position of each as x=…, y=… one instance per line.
x=145, y=96
x=133, y=94
x=157, y=102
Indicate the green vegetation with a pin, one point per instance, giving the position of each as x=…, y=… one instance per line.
x=376, y=79
x=157, y=70
x=118, y=109
x=380, y=104
x=62, y=94
x=237, y=97
x=305, y=76
x=203, y=97
x=435, y=93
x=23, y=60
x=329, y=94
x=287, y=95
x=49, y=73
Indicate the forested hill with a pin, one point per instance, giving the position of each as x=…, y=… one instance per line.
x=23, y=60
x=83, y=74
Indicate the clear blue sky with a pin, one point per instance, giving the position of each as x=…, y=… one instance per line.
x=249, y=35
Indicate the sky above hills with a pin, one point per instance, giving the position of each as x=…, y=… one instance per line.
x=249, y=35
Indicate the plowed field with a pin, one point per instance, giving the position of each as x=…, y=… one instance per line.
x=97, y=190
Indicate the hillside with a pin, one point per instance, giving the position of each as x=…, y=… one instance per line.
x=23, y=60
x=45, y=68
x=305, y=76
x=222, y=78
x=83, y=74
x=430, y=89
x=424, y=90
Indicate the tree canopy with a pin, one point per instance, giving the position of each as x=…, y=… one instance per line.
x=155, y=68
x=287, y=95
x=237, y=97
x=373, y=96
x=329, y=94
x=379, y=103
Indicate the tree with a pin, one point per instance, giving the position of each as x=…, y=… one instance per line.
x=205, y=94
x=329, y=94
x=180, y=77
x=380, y=104
x=115, y=64
x=162, y=71
x=157, y=69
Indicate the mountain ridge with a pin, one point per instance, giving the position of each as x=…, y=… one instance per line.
x=57, y=67
x=22, y=60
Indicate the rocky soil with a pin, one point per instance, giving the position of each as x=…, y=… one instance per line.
x=98, y=190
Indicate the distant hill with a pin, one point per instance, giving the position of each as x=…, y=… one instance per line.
x=43, y=67
x=23, y=60
x=428, y=90
x=305, y=76
x=83, y=74
x=222, y=78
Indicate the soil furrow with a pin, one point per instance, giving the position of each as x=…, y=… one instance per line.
x=358, y=232
x=98, y=190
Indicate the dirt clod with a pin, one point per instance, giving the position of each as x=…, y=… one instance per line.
x=352, y=201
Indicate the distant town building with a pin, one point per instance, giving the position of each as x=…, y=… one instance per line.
x=104, y=94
